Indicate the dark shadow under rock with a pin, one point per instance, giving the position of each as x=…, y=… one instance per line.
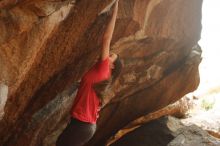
x=167, y=131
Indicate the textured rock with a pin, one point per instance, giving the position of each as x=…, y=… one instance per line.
x=177, y=109
x=46, y=46
x=167, y=131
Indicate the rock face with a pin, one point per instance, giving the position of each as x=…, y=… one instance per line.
x=167, y=131
x=178, y=109
x=46, y=46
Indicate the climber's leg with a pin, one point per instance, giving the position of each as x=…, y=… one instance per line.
x=77, y=133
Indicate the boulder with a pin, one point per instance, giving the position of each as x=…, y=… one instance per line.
x=167, y=131
x=46, y=46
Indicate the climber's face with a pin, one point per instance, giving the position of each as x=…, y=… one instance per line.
x=112, y=59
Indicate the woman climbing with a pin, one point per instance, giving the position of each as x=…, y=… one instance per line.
x=89, y=98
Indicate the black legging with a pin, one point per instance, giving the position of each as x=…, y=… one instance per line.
x=77, y=133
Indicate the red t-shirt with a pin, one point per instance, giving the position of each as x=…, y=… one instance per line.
x=86, y=104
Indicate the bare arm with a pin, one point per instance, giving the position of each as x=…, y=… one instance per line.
x=108, y=33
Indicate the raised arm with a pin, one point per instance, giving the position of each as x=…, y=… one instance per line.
x=108, y=33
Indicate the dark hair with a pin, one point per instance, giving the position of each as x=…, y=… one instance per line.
x=102, y=87
x=117, y=69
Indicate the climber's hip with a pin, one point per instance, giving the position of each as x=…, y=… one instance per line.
x=77, y=133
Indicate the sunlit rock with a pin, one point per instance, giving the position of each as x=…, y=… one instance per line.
x=3, y=98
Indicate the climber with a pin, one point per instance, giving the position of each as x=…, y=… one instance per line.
x=90, y=94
